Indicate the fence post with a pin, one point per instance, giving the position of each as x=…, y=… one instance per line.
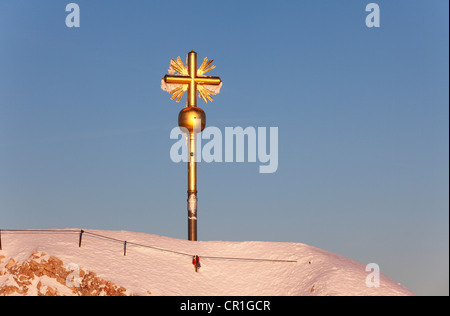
x=125, y=248
x=81, y=236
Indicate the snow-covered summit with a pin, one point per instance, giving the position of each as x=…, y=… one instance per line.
x=52, y=263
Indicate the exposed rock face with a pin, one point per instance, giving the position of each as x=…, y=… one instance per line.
x=43, y=275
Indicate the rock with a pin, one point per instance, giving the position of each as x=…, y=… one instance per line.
x=50, y=292
x=89, y=284
x=34, y=255
x=11, y=263
x=8, y=290
x=55, y=261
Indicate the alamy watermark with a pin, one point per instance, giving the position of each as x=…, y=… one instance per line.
x=373, y=18
x=73, y=279
x=373, y=278
x=73, y=18
x=235, y=144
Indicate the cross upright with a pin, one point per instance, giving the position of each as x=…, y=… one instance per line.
x=191, y=77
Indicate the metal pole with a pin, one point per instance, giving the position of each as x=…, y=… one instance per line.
x=192, y=188
x=81, y=236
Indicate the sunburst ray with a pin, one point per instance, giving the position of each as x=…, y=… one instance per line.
x=179, y=66
x=205, y=93
x=178, y=92
x=204, y=67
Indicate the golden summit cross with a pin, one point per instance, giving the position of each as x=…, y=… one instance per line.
x=192, y=118
x=191, y=79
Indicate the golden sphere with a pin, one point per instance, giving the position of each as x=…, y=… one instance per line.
x=188, y=115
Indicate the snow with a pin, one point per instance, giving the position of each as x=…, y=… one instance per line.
x=169, y=272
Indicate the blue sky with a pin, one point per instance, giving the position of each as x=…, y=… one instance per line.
x=362, y=113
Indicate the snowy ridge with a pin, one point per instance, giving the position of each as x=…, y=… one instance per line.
x=43, y=263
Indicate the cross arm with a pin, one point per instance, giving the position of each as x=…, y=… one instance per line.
x=213, y=81
x=177, y=79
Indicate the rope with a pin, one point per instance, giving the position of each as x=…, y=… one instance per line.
x=125, y=242
x=42, y=230
x=247, y=259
